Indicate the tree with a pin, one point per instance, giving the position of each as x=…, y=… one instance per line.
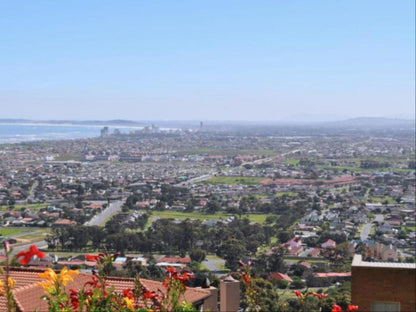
x=232, y=250
x=197, y=255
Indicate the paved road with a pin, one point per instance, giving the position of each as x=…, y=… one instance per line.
x=379, y=218
x=41, y=245
x=96, y=220
x=107, y=213
x=32, y=191
x=365, y=231
x=196, y=180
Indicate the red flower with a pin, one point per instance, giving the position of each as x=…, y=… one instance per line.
x=128, y=293
x=320, y=296
x=92, y=257
x=245, y=278
x=149, y=294
x=336, y=308
x=73, y=295
x=28, y=254
x=93, y=282
x=298, y=293
x=171, y=270
x=352, y=308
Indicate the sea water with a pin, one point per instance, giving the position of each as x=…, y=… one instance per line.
x=15, y=133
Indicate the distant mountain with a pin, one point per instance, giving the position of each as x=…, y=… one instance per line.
x=358, y=123
x=372, y=122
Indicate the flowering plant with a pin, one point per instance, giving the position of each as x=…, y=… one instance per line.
x=250, y=292
x=97, y=296
x=24, y=257
x=321, y=297
x=350, y=308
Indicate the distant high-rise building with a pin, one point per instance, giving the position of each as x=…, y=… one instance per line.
x=104, y=132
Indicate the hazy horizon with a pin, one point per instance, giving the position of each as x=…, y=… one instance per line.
x=296, y=61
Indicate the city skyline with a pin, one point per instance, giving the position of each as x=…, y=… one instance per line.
x=238, y=60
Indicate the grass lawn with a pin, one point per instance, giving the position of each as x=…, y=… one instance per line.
x=214, y=151
x=35, y=207
x=9, y=231
x=342, y=168
x=213, y=257
x=290, y=194
x=294, y=162
x=358, y=234
x=408, y=228
x=234, y=180
x=387, y=199
x=68, y=156
x=259, y=218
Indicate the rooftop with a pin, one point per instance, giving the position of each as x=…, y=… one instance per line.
x=357, y=261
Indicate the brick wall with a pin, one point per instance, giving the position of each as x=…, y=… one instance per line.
x=383, y=284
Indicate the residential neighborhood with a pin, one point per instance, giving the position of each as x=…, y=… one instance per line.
x=298, y=204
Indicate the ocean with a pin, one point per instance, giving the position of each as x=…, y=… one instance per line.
x=15, y=133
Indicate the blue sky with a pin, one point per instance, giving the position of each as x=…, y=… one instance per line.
x=207, y=60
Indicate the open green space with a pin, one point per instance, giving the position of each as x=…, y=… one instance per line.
x=290, y=194
x=214, y=151
x=408, y=229
x=234, y=180
x=294, y=162
x=34, y=207
x=342, y=168
x=259, y=218
x=9, y=231
x=69, y=156
x=385, y=199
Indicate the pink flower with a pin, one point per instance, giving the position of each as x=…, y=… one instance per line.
x=6, y=246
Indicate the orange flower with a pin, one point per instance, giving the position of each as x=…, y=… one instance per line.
x=11, y=282
x=67, y=275
x=28, y=254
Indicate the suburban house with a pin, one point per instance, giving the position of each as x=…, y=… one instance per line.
x=329, y=244
x=28, y=294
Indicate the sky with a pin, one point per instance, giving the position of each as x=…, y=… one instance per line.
x=207, y=60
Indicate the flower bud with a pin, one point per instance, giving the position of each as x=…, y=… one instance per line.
x=6, y=246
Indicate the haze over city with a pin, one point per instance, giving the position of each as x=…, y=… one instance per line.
x=212, y=60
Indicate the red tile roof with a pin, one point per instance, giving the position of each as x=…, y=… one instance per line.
x=28, y=294
x=333, y=274
x=280, y=276
x=184, y=260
